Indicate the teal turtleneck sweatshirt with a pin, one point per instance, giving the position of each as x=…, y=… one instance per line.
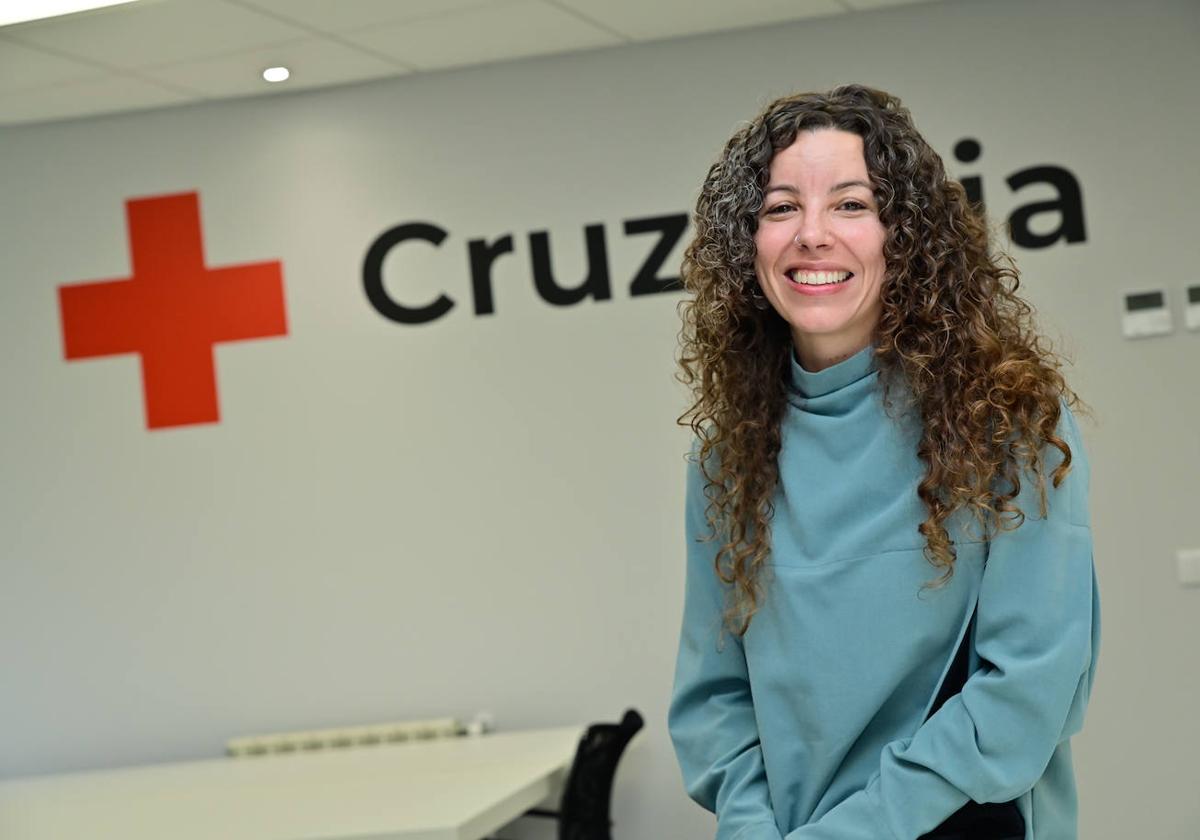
x=813, y=725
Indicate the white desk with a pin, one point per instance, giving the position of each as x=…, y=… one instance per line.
x=455, y=789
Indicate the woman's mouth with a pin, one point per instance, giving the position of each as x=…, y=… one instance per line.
x=818, y=278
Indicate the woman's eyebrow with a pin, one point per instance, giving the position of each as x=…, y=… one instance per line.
x=835, y=188
x=847, y=184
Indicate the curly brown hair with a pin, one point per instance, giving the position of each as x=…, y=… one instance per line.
x=952, y=329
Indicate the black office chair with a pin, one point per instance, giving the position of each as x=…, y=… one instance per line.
x=584, y=808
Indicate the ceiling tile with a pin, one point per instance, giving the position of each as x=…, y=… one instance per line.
x=674, y=18
x=345, y=15
x=149, y=33
x=313, y=62
x=22, y=67
x=476, y=36
x=56, y=68
x=106, y=94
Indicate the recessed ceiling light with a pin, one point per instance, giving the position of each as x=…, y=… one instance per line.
x=22, y=11
x=276, y=74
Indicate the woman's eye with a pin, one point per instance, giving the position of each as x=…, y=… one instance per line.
x=779, y=208
x=853, y=204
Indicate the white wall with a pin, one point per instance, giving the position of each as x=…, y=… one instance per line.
x=485, y=513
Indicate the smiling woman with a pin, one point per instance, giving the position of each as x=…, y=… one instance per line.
x=819, y=246
x=873, y=404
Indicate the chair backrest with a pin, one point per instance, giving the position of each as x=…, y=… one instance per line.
x=588, y=793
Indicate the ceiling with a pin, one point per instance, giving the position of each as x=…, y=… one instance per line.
x=158, y=53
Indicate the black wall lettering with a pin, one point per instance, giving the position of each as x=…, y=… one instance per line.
x=968, y=150
x=646, y=281
x=1069, y=205
x=596, y=285
x=651, y=278
x=482, y=255
x=373, y=275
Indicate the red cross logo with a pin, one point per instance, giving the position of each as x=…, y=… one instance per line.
x=172, y=310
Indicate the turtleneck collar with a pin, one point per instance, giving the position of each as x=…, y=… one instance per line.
x=809, y=385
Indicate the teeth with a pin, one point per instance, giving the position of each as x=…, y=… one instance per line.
x=818, y=278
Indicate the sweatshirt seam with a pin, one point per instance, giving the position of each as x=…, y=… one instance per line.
x=872, y=792
x=742, y=831
x=856, y=557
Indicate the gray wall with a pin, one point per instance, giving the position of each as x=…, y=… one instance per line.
x=485, y=513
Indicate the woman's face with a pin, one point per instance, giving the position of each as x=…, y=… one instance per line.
x=820, y=223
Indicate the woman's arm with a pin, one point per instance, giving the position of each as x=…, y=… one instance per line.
x=711, y=718
x=1037, y=638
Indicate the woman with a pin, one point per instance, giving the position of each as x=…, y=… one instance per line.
x=875, y=421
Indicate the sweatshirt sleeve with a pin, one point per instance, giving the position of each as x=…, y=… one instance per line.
x=1037, y=637
x=711, y=716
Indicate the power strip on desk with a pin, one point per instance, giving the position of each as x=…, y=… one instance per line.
x=374, y=735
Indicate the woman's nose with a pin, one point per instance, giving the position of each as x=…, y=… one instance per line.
x=813, y=232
